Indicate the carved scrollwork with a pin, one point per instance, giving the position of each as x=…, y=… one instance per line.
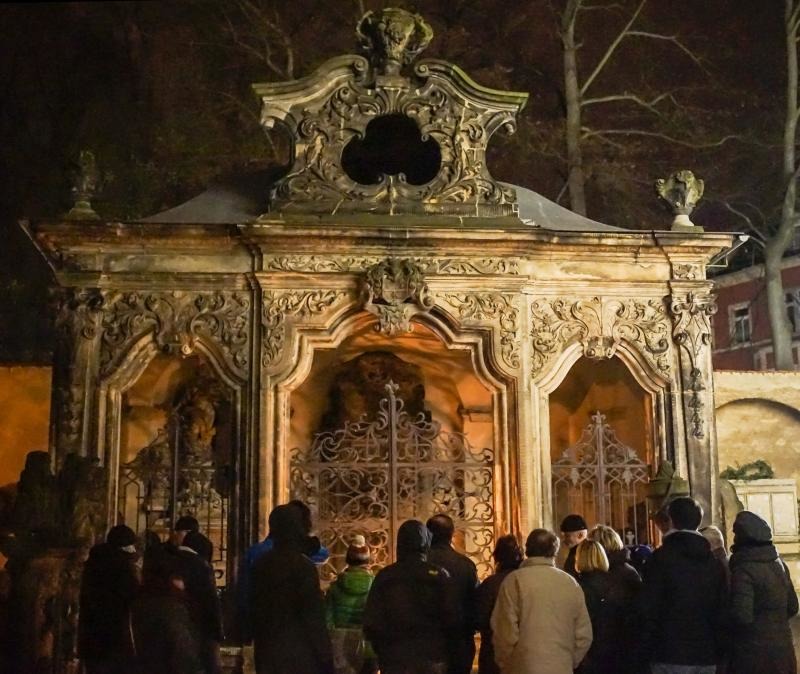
x=428, y=265
x=599, y=324
x=334, y=105
x=394, y=291
x=691, y=315
x=278, y=306
x=497, y=308
x=176, y=319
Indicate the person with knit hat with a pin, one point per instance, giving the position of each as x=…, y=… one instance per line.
x=344, y=610
x=573, y=532
x=762, y=601
x=109, y=584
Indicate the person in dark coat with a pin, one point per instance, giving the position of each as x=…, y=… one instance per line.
x=508, y=556
x=683, y=597
x=573, y=531
x=164, y=638
x=109, y=584
x=591, y=565
x=762, y=601
x=617, y=646
x=287, y=608
x=412, y=608
x=464, y=576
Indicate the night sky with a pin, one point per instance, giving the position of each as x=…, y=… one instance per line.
x=160, y=92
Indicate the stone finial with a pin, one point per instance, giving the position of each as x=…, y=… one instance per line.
x=680, y=192
x=392, y=38
x=84, y=188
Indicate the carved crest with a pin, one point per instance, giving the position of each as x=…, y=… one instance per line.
x=328, y=114
x=394, y=290
x=680, y=194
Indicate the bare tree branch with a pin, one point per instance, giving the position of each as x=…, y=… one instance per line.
x=755, y=230
x=633, y=98
x=589, y=133
x=612, y=48
x=669, y=38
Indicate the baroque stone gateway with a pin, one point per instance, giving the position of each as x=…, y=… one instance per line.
x=390, y=331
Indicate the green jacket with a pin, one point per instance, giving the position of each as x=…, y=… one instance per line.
x=344, y=604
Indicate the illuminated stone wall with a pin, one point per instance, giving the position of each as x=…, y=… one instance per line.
x=24, y=417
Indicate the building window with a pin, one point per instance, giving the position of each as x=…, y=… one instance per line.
x=793, y=309
x=740, y=323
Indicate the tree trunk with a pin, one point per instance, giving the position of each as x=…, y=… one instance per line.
x=779, y=242
x=576, y=178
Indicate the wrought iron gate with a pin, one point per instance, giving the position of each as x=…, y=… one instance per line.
x=604, y=480
x=164, y=482
x=369, y=477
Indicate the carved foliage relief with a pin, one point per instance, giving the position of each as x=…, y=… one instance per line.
x=691, y=315
x=427, y=265
x=599, y=324
x=497, y=309
x=278, y=306
x=176, y=319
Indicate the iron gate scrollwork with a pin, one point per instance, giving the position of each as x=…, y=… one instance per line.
x=370, y=476
x=604, y=480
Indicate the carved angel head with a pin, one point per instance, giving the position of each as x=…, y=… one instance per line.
x=393, y=37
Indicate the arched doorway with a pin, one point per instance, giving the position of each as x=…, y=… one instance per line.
x=385, y=429
x=602, y=447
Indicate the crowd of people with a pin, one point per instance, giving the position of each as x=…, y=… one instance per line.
x=686, y=607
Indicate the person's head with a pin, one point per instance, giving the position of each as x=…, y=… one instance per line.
x=661, y=520
x=750, y=530
x=714, y=537
x=305, y=514
x=685, y=513
x=507, y=553
x=122, y=537
x=200, y=544
x=183, y=525
x=358, y=552
x=573, y=530
x=286, y=525
x=413, y=540
x=607, y=537
x=541, y=543
x=590, y=556
x=442, y=528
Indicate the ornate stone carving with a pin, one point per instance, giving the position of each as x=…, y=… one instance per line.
x=428, y=265
x=84, y=188
x=496, y=308
x=680, y=192
x=394, y=290
x=77, y=318
x=599, y=324
x=279, y=305
x=691, y=315
x=326, y=110
x=393, y=38
x=688, y=272
x=176, y=319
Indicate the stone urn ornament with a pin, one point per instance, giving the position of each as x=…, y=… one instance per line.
x=680, y=193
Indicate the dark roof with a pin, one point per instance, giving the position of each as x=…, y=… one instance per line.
x=244, y=198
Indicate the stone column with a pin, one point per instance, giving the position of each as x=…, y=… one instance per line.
x=79, y=311
x=692, y=305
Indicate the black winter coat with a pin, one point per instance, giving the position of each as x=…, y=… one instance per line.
x=762, y=601
x=164, y=636
x=487, y=598
x=108, y=586
x=464, y=576
x=201, y=592
x=683, y=602
x=411, y=614
x=288, y=615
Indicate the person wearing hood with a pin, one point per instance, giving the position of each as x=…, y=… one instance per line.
x=761, y=603
x=287, y=610
x=344, y=610
x=683, y=597
x=412, y=610
x=109, y=584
